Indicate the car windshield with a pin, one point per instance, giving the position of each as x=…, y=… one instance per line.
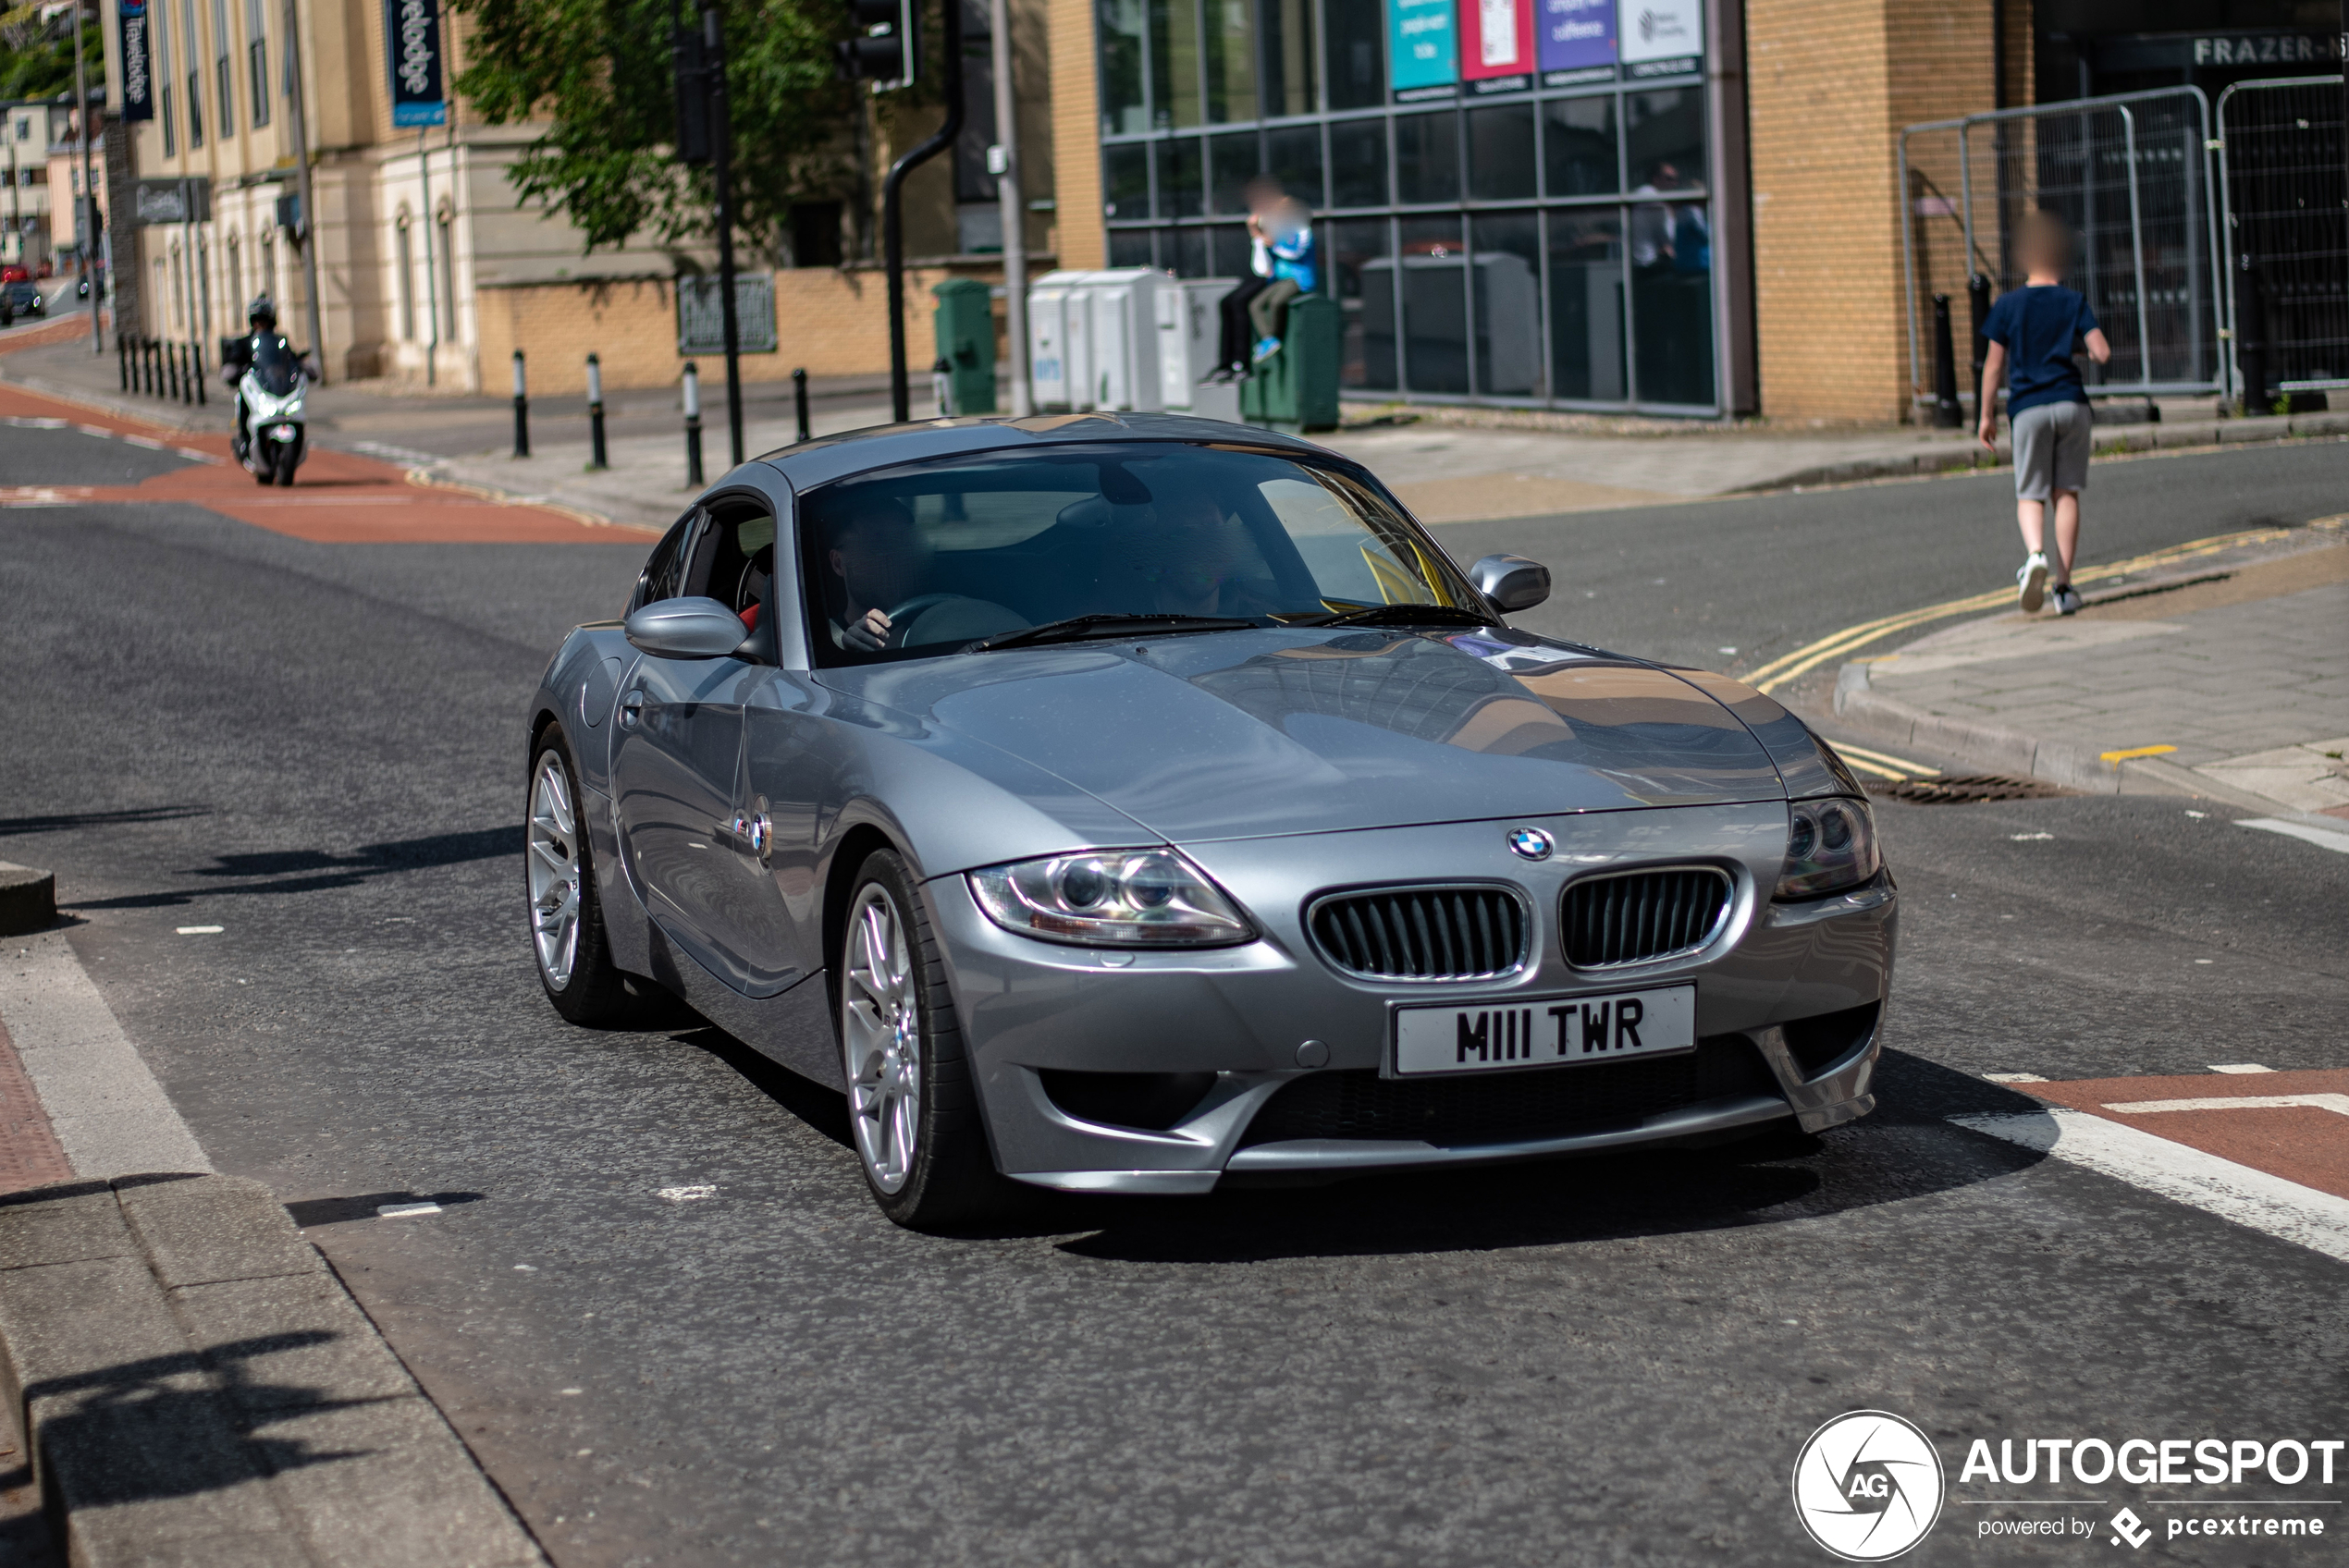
x=927, y=559
x=274, y=364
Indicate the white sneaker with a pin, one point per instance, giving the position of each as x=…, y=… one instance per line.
x=2032, y=584
x=2067, y=600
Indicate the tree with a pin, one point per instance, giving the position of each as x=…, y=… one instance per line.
x=599, y=72
x=36, y=50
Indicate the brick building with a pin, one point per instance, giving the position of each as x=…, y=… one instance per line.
x=1687, y=207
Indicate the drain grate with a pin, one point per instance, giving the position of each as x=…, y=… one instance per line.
x=1960, y=788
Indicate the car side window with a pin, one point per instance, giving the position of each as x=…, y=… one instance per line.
x=664, y=573
x=733, y=562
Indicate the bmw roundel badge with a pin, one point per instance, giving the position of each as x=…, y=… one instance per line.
x=1531, y=843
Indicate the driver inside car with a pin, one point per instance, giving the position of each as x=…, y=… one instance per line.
x=1189, y=559
x=877, y=557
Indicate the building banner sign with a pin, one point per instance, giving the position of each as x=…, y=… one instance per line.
x=1497, y=44
x=173, y=201
x=1424, y=47
x=1579, y=35
x=412, y=47
x=1662, y=37
x=701, y=315
x=138, y=84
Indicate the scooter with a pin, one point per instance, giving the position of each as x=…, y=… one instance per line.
x=269, y=399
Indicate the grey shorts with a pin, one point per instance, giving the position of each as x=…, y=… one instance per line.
x=2052, y=450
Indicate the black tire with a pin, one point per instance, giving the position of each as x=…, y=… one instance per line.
x=952, y=1181
x=595, y=992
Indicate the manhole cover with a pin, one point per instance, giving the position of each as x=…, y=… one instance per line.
x=1949, y=789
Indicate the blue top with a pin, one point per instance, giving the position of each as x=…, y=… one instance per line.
x=2038, y=326
x=1293, y=257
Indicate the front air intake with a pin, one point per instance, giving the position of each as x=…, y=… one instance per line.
x=1462, y=933
x=1639, y=916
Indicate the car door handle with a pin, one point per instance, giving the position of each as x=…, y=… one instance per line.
x=632, y=708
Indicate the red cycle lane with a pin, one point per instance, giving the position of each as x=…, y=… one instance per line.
x=2292, y=1124
x=340, y=498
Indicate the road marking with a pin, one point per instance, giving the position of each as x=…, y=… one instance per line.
x=2032, y=837
x=2233, y=1102
x=406, y=1210
x=2239, y=1067
x=1885, y=763
x=2248, y=1197
x=2135, y=752
x=200, y=930
x=1792, y=666
x=111, y=1117
x=2323, y=837
x=686, y=1194
x=2016, y=1077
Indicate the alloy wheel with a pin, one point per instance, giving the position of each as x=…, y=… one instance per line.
x=553, y=858
x=881, y=1036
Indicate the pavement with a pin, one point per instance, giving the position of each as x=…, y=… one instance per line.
x=2224, y=674
x=270, y=756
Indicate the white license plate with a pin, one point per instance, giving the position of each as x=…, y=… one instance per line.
x=1545, y=1031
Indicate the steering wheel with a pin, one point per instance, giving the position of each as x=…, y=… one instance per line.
x=915, y=607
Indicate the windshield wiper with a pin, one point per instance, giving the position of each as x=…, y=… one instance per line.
x=1077, y=628
x=1395, y=614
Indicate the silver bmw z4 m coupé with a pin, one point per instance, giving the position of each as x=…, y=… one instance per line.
x=1124, y=804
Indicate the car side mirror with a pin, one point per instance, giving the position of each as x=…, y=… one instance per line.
x=686, y=629
x=1511, y=581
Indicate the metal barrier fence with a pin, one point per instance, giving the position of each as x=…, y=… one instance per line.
x=2281, y=182
x=2130, y=174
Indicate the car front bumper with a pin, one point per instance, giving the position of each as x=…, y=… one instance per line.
x=1241, y=1014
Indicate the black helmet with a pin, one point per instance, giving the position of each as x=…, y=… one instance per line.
x=260, y=315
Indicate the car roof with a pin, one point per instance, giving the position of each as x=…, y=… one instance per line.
x=828, y=458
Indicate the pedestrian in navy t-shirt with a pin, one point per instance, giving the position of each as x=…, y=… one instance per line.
x=2035, y=332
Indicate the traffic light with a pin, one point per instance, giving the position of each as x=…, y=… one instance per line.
x=887, y=49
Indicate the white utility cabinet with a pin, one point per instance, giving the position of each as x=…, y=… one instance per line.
x=1059, y=326
x=1189, y=327
x=1124, y=360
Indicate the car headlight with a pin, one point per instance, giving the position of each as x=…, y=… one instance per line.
x=1111, y=898
x=1830, y=845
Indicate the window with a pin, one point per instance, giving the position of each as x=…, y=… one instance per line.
x=1232, y=163
x=163, y=118
x=1123, y=23
x=195, y=72
x=1128, y=172
x=260, y=83
x=1289, y=86
x=1500, y=144
x=227, y=86
x=1427, y=157
x=1578, y=146
x=1231, y=60
x=1174, y=64
x=448, y=271
x=1358, y=164
x=664, y=573
x=404, y=282
x=952, y=552
x=1293, y=157
x=815, y=234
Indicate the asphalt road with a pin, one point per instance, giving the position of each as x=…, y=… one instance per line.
x=1732, y=583
x=317, y=747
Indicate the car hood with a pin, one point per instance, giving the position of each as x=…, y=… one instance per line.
x=1246, y=733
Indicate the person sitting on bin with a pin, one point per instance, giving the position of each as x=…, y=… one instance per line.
x=1285, y=237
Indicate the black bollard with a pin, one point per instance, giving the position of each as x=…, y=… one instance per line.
x=1977, y=295
x=596, y=412
x=195, y=353
x=799, y=399
x=2251, y=339
x=171, y=371
x=1945, y=415
x=521, y=408
x=122, y=359
x=692, y=424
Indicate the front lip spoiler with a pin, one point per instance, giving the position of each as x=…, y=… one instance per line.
x=1347, y=1154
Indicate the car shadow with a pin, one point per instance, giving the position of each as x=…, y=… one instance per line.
x=310, y=871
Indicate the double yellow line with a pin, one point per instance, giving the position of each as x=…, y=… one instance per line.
x=1803, y=660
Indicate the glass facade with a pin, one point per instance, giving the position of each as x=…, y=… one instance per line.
x=1495, y=228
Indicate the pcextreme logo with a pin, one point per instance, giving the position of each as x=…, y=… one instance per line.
x=1869, y=1486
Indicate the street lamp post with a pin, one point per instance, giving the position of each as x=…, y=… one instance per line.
x=307, y=237
x=1014, y=213
x=893, y=213
x=86, y=214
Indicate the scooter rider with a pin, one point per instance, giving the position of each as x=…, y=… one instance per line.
x=236, y=356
